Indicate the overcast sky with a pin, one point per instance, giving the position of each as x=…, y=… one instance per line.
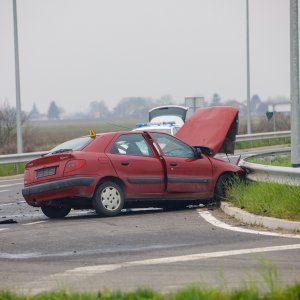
x=78, y=51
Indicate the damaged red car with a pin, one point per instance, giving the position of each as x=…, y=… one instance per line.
x=114, y=170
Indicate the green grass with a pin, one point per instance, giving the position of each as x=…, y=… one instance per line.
x=11, y=169
x=267, y=199
x=262, y=143
x=189, y=293
x=274, y=160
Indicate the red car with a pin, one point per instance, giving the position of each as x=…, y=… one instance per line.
x=109, y=171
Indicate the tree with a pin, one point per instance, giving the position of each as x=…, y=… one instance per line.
x=99, y=110
x=255, y=103
x=216, y=100
x=53, y=111
x=133, y=107
x=8, y=128
x=164, y=100
x=34, y=114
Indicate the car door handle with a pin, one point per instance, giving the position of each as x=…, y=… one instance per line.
x=124, y=163
x=173, y=164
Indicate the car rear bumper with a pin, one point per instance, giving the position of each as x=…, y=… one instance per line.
x=71, y=187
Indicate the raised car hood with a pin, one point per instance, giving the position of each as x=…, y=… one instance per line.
x=213, y=127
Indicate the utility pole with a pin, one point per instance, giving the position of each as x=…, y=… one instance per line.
x=248, y=70
x=17, y=76
x=295, y=100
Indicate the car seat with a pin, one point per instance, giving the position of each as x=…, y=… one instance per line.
x=133, y=149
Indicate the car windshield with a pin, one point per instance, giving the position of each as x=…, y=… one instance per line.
x=72, y=145
x=168, y=111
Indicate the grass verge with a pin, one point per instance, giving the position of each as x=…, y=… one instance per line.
x=192, y=293
x=262, y=143
x=12, y=169
x=280, y=160
x=266, y=199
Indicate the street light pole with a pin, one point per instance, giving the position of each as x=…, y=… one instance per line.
x=17, y=76
x=248, y=70
x=295, y=99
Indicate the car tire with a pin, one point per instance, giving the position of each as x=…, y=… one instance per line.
x=55, y=212
x=108, y=200
x=221, y=186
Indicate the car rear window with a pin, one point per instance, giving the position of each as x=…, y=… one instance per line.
x=73, y=145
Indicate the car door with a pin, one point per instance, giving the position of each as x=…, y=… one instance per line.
x=186, y=173
x=137, y=166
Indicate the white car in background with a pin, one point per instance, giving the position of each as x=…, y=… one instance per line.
x=167, y=118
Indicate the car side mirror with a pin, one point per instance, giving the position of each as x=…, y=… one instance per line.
x=198, y=152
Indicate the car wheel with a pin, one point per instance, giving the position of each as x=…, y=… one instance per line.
x=224, y=181
x=108, y=200
x=55, y=212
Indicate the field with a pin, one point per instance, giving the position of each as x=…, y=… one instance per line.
x=44, y=135
x=278, y=160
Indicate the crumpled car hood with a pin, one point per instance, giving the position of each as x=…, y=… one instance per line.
x=213, y=127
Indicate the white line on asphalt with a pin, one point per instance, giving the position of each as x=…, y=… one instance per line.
x=7, y=180
x=13, y=203
x=3, y=191
x=207, y=216
x=33, y=223
x=7, y=185
x=91, y=270
x=1, y=229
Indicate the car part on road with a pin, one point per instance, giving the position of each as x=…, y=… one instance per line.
x=9, y=221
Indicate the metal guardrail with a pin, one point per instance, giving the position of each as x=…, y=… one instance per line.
x=16, y=158
x=263, y=135
x=25, y=157
x=267, y=173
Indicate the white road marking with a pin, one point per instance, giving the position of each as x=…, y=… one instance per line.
x=207, y=216
x=13, y=203
x=1, y=229
x=33, y=223
x=3, y=191
x=8, y=180
x=7, y=185
x=91, y=270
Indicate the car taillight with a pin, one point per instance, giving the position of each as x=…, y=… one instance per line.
x=73, y=165
x=26, y=176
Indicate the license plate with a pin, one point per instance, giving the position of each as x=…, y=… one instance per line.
x=45, y=172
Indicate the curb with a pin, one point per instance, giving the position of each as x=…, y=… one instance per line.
x=248, y=218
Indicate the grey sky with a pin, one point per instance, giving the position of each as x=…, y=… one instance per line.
x=78, y=51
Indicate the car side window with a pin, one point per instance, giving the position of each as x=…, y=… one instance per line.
x=172, y=146
x=131, y=144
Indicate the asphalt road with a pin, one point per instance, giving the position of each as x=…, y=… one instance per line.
x=164, y=250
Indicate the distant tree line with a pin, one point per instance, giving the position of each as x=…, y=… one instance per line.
x=138, y=107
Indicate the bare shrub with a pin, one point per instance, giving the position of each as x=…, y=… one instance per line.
x=8, y=133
